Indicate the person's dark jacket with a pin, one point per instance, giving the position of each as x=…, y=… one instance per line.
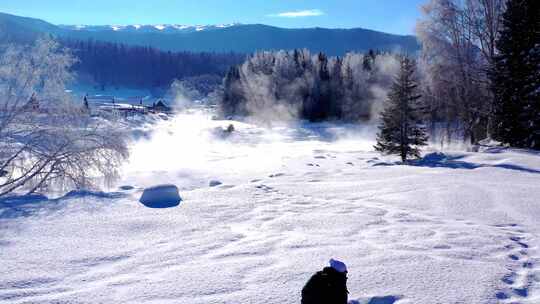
x=326, y=287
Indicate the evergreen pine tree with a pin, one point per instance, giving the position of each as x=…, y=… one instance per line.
x=367, y=62
x=402, y=131
x=233, y=102
x=336, y=89
x=322, y=105
x=516, y=76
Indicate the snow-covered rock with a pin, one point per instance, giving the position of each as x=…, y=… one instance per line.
x=490, y=142
x=221, y=132
x=214, y=183
x=162, y=196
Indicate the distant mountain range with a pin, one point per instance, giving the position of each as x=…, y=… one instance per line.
x=241, y=38
x=148, y=28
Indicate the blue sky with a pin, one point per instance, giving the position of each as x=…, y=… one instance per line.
x=394, y=16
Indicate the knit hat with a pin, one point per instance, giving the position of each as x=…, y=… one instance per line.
x=338, y=266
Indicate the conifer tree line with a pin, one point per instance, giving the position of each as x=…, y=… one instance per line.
x=113, y=65
x=299, y=84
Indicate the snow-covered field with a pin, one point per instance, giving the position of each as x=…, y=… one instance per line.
x=454, y=228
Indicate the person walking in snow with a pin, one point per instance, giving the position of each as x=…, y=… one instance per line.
x=328, y=286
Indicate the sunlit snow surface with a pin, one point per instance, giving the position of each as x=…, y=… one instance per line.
x=455, y=228
x=193, y=149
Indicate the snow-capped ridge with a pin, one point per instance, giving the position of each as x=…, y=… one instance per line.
x=172, y=28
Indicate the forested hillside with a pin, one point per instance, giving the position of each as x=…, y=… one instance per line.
x=111, y=64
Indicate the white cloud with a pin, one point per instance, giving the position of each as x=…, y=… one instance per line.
x=299, y=14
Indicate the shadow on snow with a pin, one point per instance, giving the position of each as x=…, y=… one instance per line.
x=13, y=207
x=377, y=300
x=440, y=160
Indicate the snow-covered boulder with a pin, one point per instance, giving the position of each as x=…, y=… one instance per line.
x=214, y=183
x=162, y=196
x=489, y=142
x=223, y=132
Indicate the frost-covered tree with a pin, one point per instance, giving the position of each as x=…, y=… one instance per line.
x=458, y=46
x=45, y=138
x=516, y=75
x=484, y=19
x=402, y=131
